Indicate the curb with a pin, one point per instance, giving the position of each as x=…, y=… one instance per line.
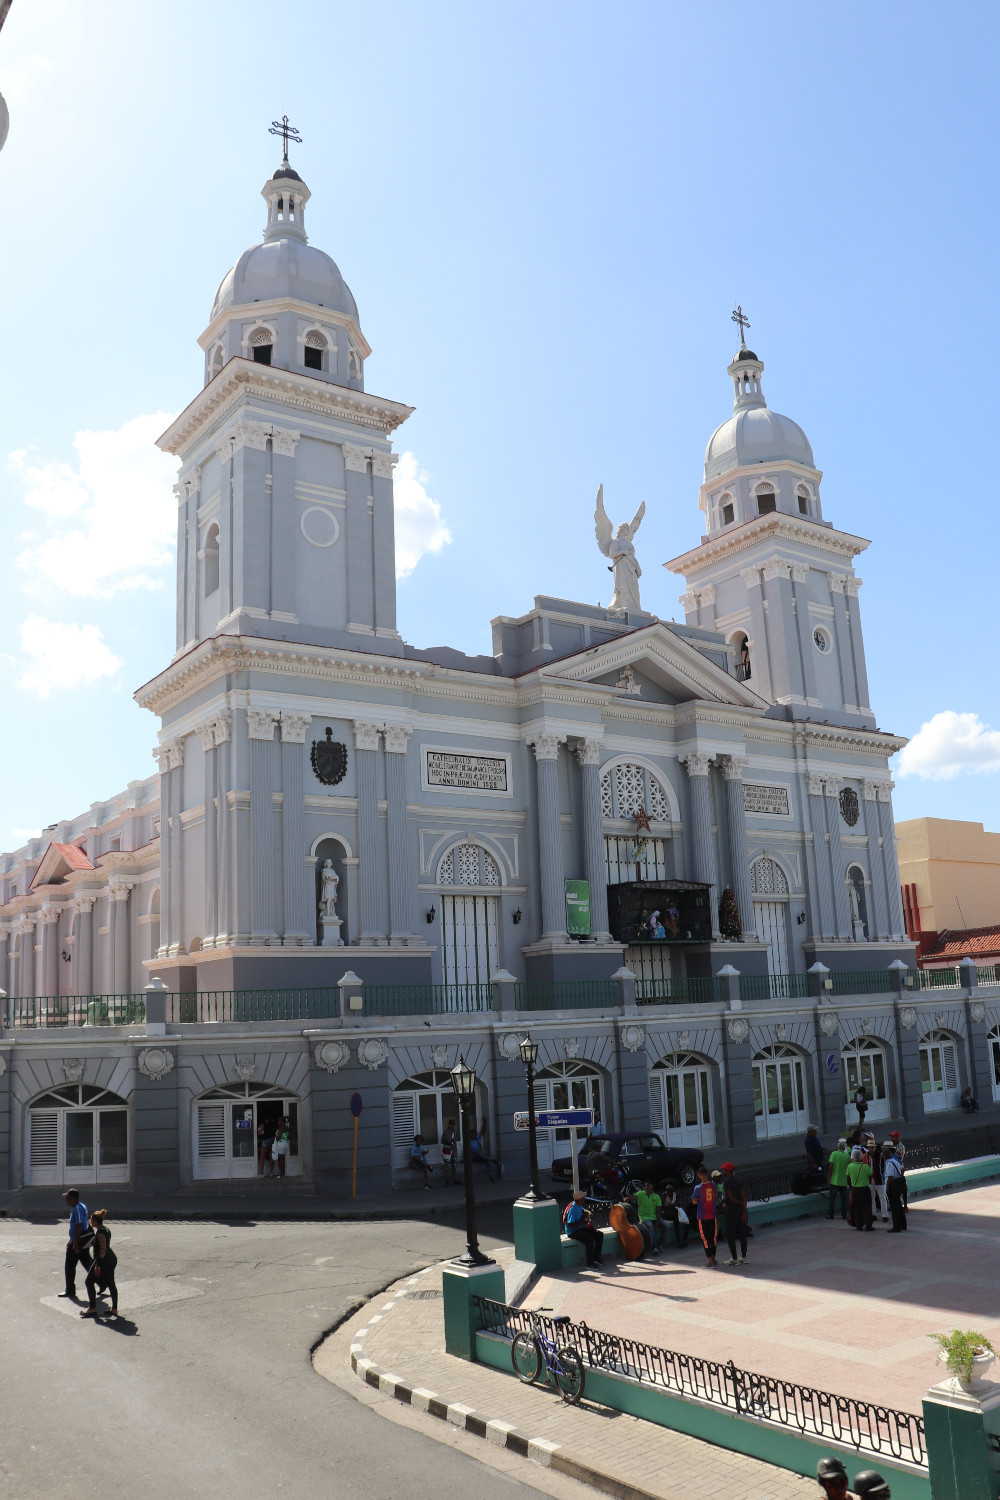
x=501, y=1434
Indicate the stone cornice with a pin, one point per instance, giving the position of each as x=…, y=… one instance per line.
x=242, y=378
x=777, y=527
x=310, y=312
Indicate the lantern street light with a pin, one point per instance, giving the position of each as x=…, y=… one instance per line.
x=463, y=1081
x=529, y=1056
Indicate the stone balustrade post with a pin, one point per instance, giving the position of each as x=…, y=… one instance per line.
x=968, y=974
x=156, y=1007
x=731, y=983
x=818, y=976
x=625, y=997
x=352, y=999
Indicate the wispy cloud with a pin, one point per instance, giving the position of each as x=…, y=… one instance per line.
x=57, y=655
x=109, y=518
x=419, y=527
x=949, y=745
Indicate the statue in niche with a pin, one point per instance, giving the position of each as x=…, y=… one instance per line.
x=857, y=924
x=329, y=921
x=618, y=546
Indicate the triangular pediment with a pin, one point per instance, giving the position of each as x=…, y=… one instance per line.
x=656, y=665
x=58, y=861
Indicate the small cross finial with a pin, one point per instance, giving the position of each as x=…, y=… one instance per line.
x=740, y=317
x=287, y=132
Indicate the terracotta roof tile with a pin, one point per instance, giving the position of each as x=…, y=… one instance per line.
x=975, y=941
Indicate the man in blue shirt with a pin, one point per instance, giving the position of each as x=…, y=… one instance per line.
x=77, y=1251
x=578, y=1225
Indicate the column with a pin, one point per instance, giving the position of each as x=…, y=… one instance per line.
x=222, y=725
x=162, y=754
x=396, y=737
x=49, y=975
x=733, y=767
x=782, y=642
x=118, y=892
x=894, y=896
x=260, y=730
x=759, y=657
x=84, y=907
x=838, y=874
x=851, y=589
x=878, y=919
x=589, y=753
x=550, y=860
x=299, y=929
x=823, y=919
x=26, y=927
x=702, y=848
x=366, y=738
x=175, y=844
x=359, y=521
x=384, y=543
x=803, y=626
x=283, y=530
x=4, y=952
x=848, y=686
x=210, y=924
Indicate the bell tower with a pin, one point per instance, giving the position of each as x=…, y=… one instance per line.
x=774, y=577
x=285, y=504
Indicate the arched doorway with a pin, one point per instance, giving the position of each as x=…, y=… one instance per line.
x=566, y=1085
x=423, y=1105
x=939, y=1072
x=76, y=1133
x=863, y=1064
x=470, y=942
x=779, y=1092
x=680, y=1098
x=769, y=885
x=224, y=1136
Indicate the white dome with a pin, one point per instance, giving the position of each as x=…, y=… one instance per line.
x=752, y=436
x=285, y=268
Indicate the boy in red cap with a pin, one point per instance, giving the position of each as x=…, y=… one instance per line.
x=735, y=1200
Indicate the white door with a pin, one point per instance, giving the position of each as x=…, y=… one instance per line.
x=779, y=1094
x=469, y=939
x=939, y=1074
x=423, y=1105
x=769, y=920
x=77, y=1145
x=864, y=1067
x=681, y=1101
x=576, y=1088
x=226, y=1143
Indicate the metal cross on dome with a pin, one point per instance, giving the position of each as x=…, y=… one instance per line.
x=287, y=132
x=740, y=317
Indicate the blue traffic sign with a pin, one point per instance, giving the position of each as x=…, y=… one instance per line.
x=555, y=1119
x=355, y=1105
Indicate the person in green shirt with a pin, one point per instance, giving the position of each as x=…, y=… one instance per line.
x=648, y=1205
x=859, y=1175
x=838, y=1163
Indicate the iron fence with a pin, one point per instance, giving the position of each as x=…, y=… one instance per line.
x=426, y=999
x=840, y=1419
x=665, y=990
x=566, y=994
x=53, y=1012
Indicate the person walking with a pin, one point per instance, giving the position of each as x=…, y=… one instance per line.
x=704, y=1199
x=861, y=1104
x=880, y=1203
x=838, y=1163
x=80, y=1240
x=895, y=1185
x=449, y=1152
x=280, y=1147
x=859, y=1175
x=102, y=1272
x=265, y=1141
x=735, y=1200
x=579, y=1225
x=831, y=1476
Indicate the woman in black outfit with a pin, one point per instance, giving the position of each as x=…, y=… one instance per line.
x=103, y=1269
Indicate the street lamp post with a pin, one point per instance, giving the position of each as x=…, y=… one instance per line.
x=463, y=1082
x=529, y=1056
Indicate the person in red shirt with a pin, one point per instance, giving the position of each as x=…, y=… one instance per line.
x=704, y=1199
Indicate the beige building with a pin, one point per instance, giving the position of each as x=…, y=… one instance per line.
x=950, y=875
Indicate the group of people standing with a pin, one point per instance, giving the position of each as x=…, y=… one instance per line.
x=868, y=1181
x=90, y=1246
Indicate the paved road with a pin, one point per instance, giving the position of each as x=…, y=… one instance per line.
x=205, y=1388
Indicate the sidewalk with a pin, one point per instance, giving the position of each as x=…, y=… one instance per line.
x=396, y=1345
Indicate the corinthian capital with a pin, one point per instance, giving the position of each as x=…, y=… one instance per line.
x=776, y=568
x=294, y=728
x=396, y=738
x=816, y=784
x=85, y=905
x=118, y=888
x=697, y=764
x=283, y=441
x=49, y=915
x=355, y=458
x=733, y=767
x=546, y=746
x=590, y=752
x=261, y=722
x=366, y=735
x=383, y=464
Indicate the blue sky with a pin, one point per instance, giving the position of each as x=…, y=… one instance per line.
x=546, y=215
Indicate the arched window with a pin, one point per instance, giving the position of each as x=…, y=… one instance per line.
x=470, y=942
x=314, y=351
x=628, y=788
x=767, y=878
x=766, y=499
x=354, y=365
x=218, y=359
x=802, y=495
x=212, y=559
x=261, y=343
x=741, y=654
x=939, y=1072
x=779, y=1092
x=863, y=1063
x=726, y=510
x=227, y=1131
x=680, y=1096
x=423, y=1105
x=77, y=1133
x=566, y=1085
x=859, y=905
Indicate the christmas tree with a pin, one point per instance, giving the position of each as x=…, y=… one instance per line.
x=729, y=916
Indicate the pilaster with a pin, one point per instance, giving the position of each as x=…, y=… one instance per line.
x=550, y=861
x=879, y=918
x=823, y=918
x=260, y=730
x=589, y=754
x=118, y=897
x=210, y=925
x=733, y=767
x=703, y=848
x=396, y=740
x=299, y=926
x=782, y=642
x=366, y=740
x=841, y=901
x=48, y=919
x=84, y=908
x=759, y=649
x=359, y=520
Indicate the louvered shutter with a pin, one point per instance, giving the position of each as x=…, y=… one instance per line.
x=656, y=1103
x=541, y=1097
x=404, y=1125
x=44, y=1139
x=211, y=1131
x=950, y=1067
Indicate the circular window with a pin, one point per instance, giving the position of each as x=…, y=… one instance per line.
x=319, y=527
x=821, y=640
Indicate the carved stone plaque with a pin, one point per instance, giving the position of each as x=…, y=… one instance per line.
x=478, y=773
x=765, y=799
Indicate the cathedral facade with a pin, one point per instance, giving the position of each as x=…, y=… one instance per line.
x=667, y=848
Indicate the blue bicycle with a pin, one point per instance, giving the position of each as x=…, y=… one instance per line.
x=531, y=1352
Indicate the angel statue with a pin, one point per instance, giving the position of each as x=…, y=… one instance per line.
x=618, y=547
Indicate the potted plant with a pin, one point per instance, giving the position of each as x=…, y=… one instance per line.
x=967, y=1354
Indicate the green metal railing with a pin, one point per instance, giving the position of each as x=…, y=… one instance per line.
x=426, y=999
x=313, y=1004
x=666, y=991
x=776, y=986
x=47, y=1012
x=566, y=994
